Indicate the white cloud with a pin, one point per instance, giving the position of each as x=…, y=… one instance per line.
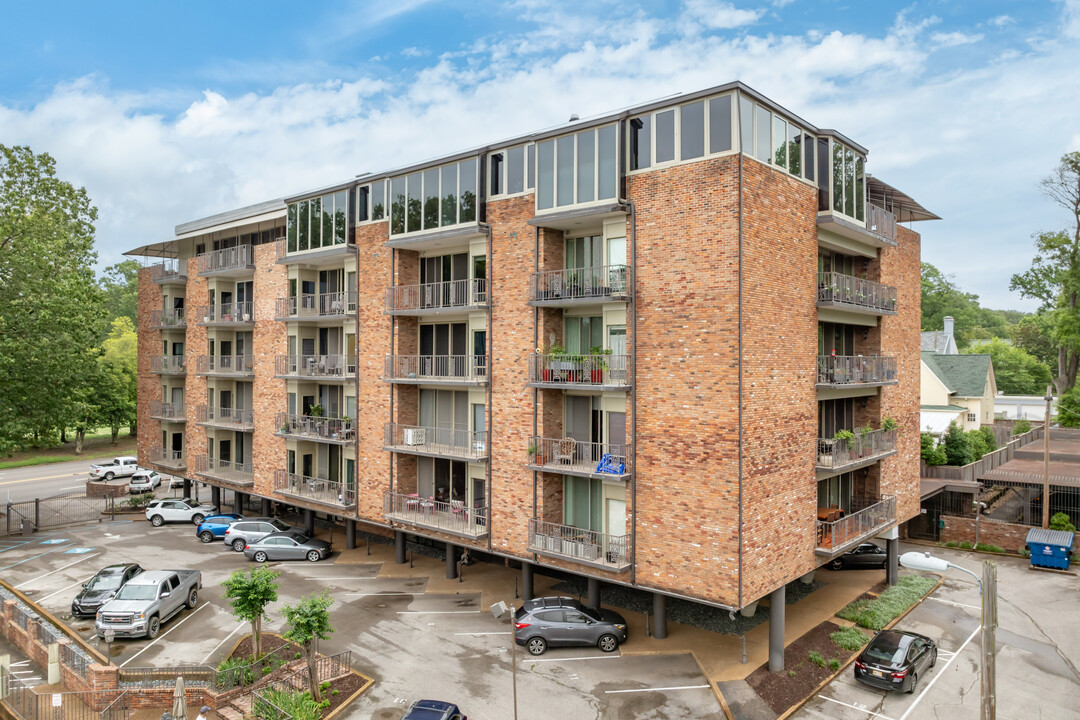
x=715, y=15
x=1071, y=27
x=952, y=39
x=1000, y=21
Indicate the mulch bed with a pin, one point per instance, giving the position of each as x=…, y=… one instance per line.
x=345, y=687
x=800, y=676
x=270, y=643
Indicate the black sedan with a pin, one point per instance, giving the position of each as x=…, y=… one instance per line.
x=895, y=659
x=101, y=589
x=867, y=555
x=434, y=710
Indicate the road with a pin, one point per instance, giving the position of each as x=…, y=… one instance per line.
x=43, y=480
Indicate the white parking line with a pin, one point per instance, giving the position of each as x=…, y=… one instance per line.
x=504, y=632
x=950, y=602
x=436, y=612
x=385, y=594
x=159, y=637
x=77, y=582
x=659, y=689
x=27, y=582
x=869, y=712
x=939, y=673
x=238, y=629
x=561, y=659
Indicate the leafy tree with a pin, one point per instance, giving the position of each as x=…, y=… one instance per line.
x=1068, y=409
x=932, y=453
x=1022, y=426
x=251, y=593
x=1016, y=371
x=982, y=441
x=1061, y=521
x=119, y=362
x=942, y=297
x=1054, y=276
x=1033, y=335
x=957, y=444
x=309, y=620
x=120, y=283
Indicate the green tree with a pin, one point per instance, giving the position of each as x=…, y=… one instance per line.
x=251, y=593
x=1068, y=409
x=957, y=444
x=1054, y=276
x=120, y=283
x=309, y=620
x=942, y=297
x=932, y=453
x=1033, y=335
x=1016, y=371
x=120, y=361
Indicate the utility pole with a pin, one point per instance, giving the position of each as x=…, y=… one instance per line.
x=1046, y=461
x=988, y=710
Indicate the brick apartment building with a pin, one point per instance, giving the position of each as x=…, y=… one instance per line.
x=621, y=348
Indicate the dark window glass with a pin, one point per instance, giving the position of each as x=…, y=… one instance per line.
x=397, y=205
x=449, y=194
x=640, y=137
x=291, y=225
x=779, y=146
x=746, y=125
x=720, y=124
x=564, y=159
x=315, y=216
x=467, y=173
x=586, y=165
x=362, y=195
x=692, y=130
x=530, y=170
x=414, y=208
x=665, y=136
x=606, y=175
x=328, y=221
x=764, y=137
x=377, y=200
x=849, y=183
x=496, y=173
x=794, y=150
x=515, y=170
x=302, y=225
x=341, y=209
x=860, y=211
x=431, y=198
x=823, y=173
x=808, y=157
x=838, y=177
x=545, y=179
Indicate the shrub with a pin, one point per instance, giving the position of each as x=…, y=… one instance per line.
x=297, y=705
x=138, y=501
x=334, y=692
x=233, y=672
x=1025, y=552
x=878, y=612
x=966, y=545
x=791, y=673
x=267, y=670
x=951, y=544
x=957, y=444
x=989, y=548
x=888, y=423
x=817, y=658
x=932, y=453
x=849, y=638
x=1068, y=409
x=989, y=437
x=1022, y=426
x=834, y=664
x=1061, y=521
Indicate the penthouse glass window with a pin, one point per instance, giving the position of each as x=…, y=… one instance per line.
x=434, y=198
x=773, y=139
x=371, y=202
x=687, y=132
x=848, y=185
x=578, y=168
x=510, y=171
x=317, y=222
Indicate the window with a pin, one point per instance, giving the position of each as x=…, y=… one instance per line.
x=371, y=202
x=578, y=168
x=665, y=136
x=511, y=170
x=687, y=132
x=720, y=124
x=848, y=185
x=972, y=417
x=434, y=198
x=692, y=131
x=640, y=137
x=496, y=173
x=317, y=222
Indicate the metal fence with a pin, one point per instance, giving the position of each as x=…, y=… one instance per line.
x=25, y=704
x=54, y=512
x=165, y=676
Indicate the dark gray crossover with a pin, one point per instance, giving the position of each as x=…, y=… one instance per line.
x=563, y=622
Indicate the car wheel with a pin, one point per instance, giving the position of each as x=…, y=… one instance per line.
x=206, y=536
x=193, y=598
x=153, y=627
x=607, y=643
x=933, y=658
x=109, y=476
x=157, y=521
x=260, y=557
x=536, y=645
x=313, y=556
x=837, y=564
x=198, y=518
x=914, y=683
x=238, y=545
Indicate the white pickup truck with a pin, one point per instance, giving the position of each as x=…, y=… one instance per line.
x=148, y=600
x=117, y=467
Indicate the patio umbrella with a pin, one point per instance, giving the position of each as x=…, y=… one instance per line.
x=179, y=704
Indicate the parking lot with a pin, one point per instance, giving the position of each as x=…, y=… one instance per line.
x=415, y=644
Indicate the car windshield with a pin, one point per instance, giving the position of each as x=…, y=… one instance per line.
x=885, y=650
x=279, y=525
x=137, y=592
x=104, y=582
x=300, y=538
x=592, y=613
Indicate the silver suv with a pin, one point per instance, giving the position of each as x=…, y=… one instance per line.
x=563, y=621
x=249, y=530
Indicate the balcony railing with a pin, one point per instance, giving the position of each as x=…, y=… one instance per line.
x=591, y=547
x=442, y=442
x=436, y=297
x=834, y=454
x=225, y=365
x=321, y=490
x=837, y=289
x=314, y=306
x=168, y=272
x=880, y=221
x=848, y=370
x=231, y=472
x=591, y=284
x=168, y=319
x=574, y=457
x=236, y=313
x=172, y=412
x=601, y=371
x=453, y=517
x=316, y=428
x=338, y=367
x=436, y=368
x=168, y=364
x=172, y=459
x=869, y=516
x=226, y=259
x=241, y=419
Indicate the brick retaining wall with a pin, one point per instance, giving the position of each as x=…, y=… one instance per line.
x=1010, y=536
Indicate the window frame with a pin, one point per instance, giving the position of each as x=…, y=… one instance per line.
x=528, y=183
x=437, y=172
x=706, y=140
x=573, y=149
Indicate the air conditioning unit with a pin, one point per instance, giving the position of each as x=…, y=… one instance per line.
x=414, y=436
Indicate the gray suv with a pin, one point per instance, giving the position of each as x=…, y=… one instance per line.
x=562, y=621
x=249, y=530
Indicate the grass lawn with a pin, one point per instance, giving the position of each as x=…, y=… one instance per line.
x=96, y=445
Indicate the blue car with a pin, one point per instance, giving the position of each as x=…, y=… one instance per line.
x=214, y=527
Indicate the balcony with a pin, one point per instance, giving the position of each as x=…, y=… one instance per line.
x=168, y=364
x=234, y=473
x=169, y=272
x=435, y=298
x=225, y=365
x=575, y=372
x=234, y=261
x=320, y=490
x=318, y=367
x=568, y=456
x=236, y=314
x=836, y=290
x=331, y=307
x=841, y=371
x=878, y=230
x=326, y=256
x=869, y=517
x=580, y=286
x=332, y=430
x=588, y=547
x=173, y=319
x=168, y=459
x=238, y=419
x=840, y=455
x=449, y=517
x=436, y=369
x=166, y=411
x=468, y=445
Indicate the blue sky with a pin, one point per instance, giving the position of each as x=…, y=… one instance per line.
x=167, y=113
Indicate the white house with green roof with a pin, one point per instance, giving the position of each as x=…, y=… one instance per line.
x=956, y=387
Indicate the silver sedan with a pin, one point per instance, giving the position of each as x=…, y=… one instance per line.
x=289, y=545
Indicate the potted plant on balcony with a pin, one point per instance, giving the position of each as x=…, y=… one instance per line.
x=285, y=427
x=598, y=365
x=845, y=436
x=865, y=449
x=315, y=411
x=888, y=423
x=547, y=361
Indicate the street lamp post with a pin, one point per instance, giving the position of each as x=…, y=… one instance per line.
x=498, y=610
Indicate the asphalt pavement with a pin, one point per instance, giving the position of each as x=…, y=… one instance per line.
x=44, y=480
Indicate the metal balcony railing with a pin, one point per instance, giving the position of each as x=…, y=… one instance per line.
x=308, y=427
x=240, y=257
x=835, y=453
x=845, y=370
x=436, y=368
x=610, y=371
x=166, y=272
x=433, y=297
x=881, y=221
x=838, y=289
x=167, y=411
x=329, y=492
x=601, y=284
x=443, y=442
x=235, y=313
x=311, y=305
x=587, y=546
x=168, y=319
x=316, y=366
x=869, y=516
x=168, y=364
x=232, y=472
x=172, y=459
x=575, y=457
x=453, y=517
x=242, y=419
x=225, y=365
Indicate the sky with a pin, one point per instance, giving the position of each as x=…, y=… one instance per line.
x=172, y=112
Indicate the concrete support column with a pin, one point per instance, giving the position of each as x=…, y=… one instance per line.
x=238, y=502
x=399, y=547
x=892, y=561
x=526, y=581
x=659, y=611
x=187, y=487
x=215, y=496
x=309, y=522
x=776, y=629
x=265, y=509
x=451, y=561
x=350, y=534
x=594, y=593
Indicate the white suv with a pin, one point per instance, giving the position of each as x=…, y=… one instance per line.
x=117, y=467
x=144, y=481
x=159, y=512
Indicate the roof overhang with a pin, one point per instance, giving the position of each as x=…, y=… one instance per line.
x=899, y=203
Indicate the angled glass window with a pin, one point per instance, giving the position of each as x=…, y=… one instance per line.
x=860, y=209
x=564, y=178
x=746, y=125
x=515, y=170
x=586, y=165
x=837, y=177
x=641, y=142
x=397, y=205
x=431, y=198
x=794, y=148
x=665, y=136
x=779, y=146
x=414, y=208
x=763, y=149
x=378, y=200
x=530, y=170
x=449, y=194
x=545, y=175
x=290, y=225
x=692, y=131
x=302, y=224
x=607, y=173
x=362, y=199
x=720, y=124
x=467, y=180
x=341, y=212
x=849, y=182
x=495, y=173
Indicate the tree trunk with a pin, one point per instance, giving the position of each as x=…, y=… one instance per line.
x=256, y=638
x=63, y=436
x=115, y=431
x=132, y=430
x=313, y=673
x=79, y=435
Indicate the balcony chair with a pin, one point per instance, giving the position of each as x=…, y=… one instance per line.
x=564, y=451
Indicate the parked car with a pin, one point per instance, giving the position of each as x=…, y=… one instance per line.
x=159, y=512
x=101, y=588
x=867, y=555
x=144, y=481
x=561, y=621
x=290, y=545
x=894, y=659
x=147, y=601
x=250, y=530
x=434, y=710
x=117, y=467
x=214, y=527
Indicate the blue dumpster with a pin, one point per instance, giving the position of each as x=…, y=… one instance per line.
x=1050, y=548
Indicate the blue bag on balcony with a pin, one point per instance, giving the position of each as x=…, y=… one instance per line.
x=607, y=465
